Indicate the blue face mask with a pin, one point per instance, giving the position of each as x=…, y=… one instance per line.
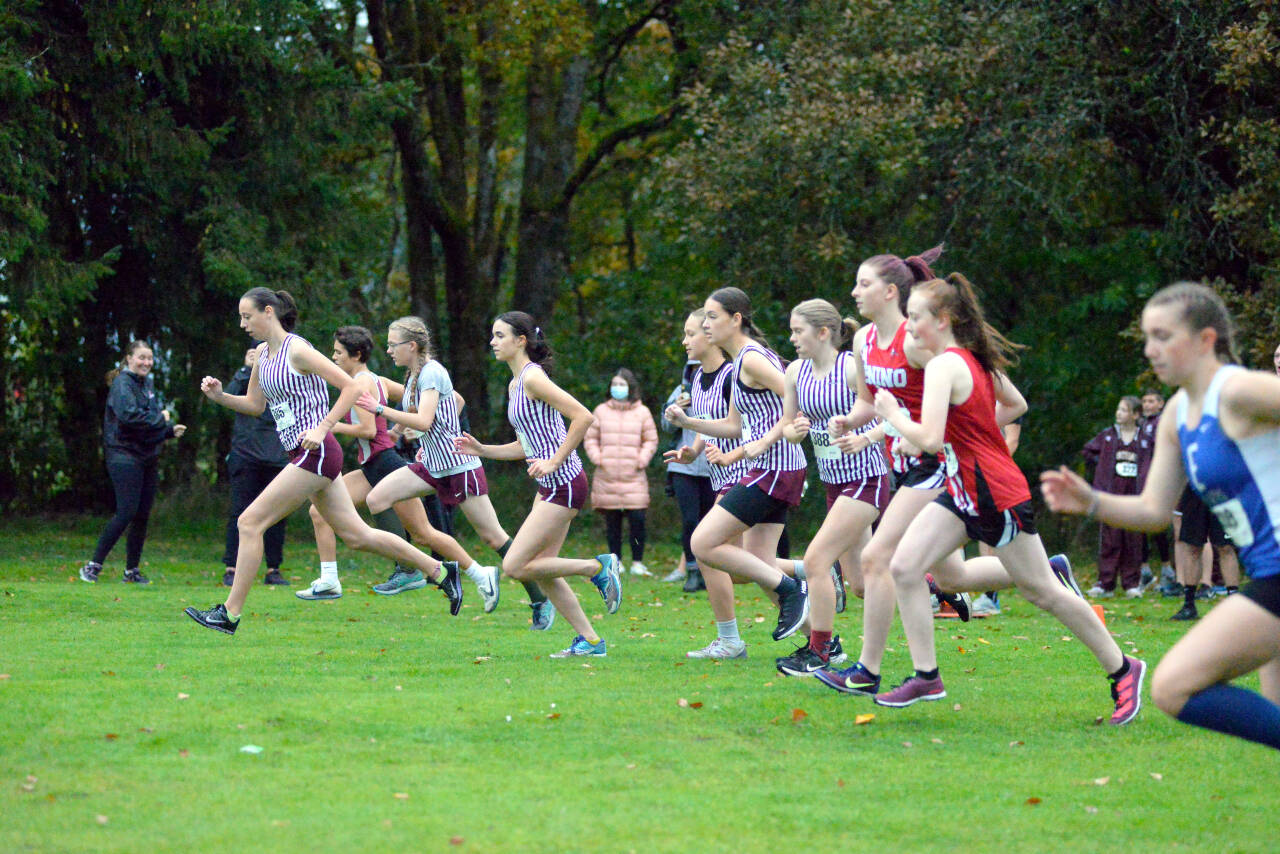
x=619, y=392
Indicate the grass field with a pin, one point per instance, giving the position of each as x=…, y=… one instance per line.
x=385, y=725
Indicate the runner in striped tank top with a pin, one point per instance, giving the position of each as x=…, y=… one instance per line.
x=537, y=410
x=755, y=508
x=429, y=407
x=379, y=461
x=290, y=376
x=822, y=384
x=967, y=395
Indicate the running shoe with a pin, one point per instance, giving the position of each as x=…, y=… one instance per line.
x=544, y=614
x=912, y=690
x=401, y=580
x=1170, y=589
x=215, y=618
x=720, y=650
x=134, y=576
x=320, y=589
x=1133, y=593
x=228, y=577
x=1062, y=571
x=1096, y=592
x=450, y=583
x=805, y=661
x=1186, y=612
x=852, y=680
x=837, y=578
x=1220, y=590
x=490, y=590
x=609, y=581
x=985, y=606
x=959, y=602
x=273, y=577
x=638, y=568
x=793, y=610
x=89, y=572
x=1204, y=592
x=693, y=581
x=1147, y=579
x=580, y=647
x=676, y=575
x=1127, y=692
x=835, y=651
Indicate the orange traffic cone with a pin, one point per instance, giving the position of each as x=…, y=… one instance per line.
x=1097, y=609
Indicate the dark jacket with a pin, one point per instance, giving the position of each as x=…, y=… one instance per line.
x=254, y=438
x=134, y=422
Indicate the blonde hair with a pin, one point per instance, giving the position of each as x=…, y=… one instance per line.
x=821, y=314
x=413, y=329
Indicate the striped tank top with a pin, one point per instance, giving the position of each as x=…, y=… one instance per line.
x=297, y=401
x=711, y=404
x=367, y=449
x=822, y=398
x=435, y=446
x=761, y=409
x=541, y=431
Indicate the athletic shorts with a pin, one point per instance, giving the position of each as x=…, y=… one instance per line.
x=453, y=489
x=786, y=486
x=1264, y=591
x=926, y=474
x=726, y=489
x=325, y=460
x=994, y=527
x=572, y=494
x=1199, y=525
x=869, y=490
x=752, y=506
x=381, y=464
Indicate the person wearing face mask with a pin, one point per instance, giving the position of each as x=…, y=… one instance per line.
x=134, y=427
x=620, y=444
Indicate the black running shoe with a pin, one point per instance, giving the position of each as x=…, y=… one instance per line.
x=793, y=609
x=228, y=577
x=1188, y=612
x=803, y=662
x=215, y=618
x=451, y=583
x=273, y=577
x=693, y=581
x=134, y=576
x=958, y=601
x=89, y=572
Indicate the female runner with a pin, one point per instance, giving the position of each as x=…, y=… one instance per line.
x=378, y=460
x=536, y=409
x=821, y=384
x=290, y=377
x=987, y=498
x=756, y=506
x=1223, y=439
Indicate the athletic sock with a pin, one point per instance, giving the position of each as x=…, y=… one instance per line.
x=927, y=675
x=1121, y=673
x=818, y=643
x=728, y=630
x=502, y=549
x=473, y=571
x=1189, y=595
x=799, y=566
x=329, y=571
x=388, y=520
x=235, y=618
x=786, y=586
x=593, y=641
x=1234, y=711
x=536, y=596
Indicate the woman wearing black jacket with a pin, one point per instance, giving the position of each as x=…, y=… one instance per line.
x=133, y=429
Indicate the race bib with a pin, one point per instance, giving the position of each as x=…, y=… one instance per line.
x=525, y=445
x=746, y=428
x=1127, y=469
x=949, y=460
x=283, y=414
x=823, y=449
x=1235, y=522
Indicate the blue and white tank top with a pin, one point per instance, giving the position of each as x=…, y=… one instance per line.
x=821, y=399
x=1237, y=479
x=298, y=402
x=435, y=446
x=761, y=409
x=712, y=404
x=541, y=431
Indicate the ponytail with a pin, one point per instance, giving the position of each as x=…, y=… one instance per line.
x=820, y=314
x=281, y=302
x=954, y=297
x=536, y=346
x=904, y=274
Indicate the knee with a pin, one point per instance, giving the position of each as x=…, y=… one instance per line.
x=514, y=567
x=1166, y=692
x=248, y=526
x=875, y=560
x=702, y=545
x=904, y=571
x=858, y=589
x=376, y=503
x=316, y=519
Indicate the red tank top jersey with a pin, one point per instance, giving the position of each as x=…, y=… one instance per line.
x=980, y=473
x=887, y=368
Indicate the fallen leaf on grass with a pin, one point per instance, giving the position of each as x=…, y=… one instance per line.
x=101, y=819
x=108, y=673
x=682, y=703
x=4, y=675
x=798, y=715
x=184, y=753
x=1016, y=743
x=957, y=707
x=251, y=748
x=631, y=766
x=936, y=740
x=840, y=783
x=480, y=659
x=28, y=787
x=1156, y=775
x=553, y=715
x=859, y=720
x=984, y=640
x=182, y=696
x=759, y=618
x=695, y=705
x=398, y=688
x=401, y=796
x=111, y=736
x=961, y=650
x=1091, y=810
x=1031, y=802
x=1101, y=781
x=1098, y=720
x=907, y=744
x=160, y=666
x=456, y=840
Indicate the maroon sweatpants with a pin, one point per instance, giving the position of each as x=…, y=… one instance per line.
x=1119, y=552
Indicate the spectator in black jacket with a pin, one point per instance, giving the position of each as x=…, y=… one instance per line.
x=134, y=427
x=256, y=458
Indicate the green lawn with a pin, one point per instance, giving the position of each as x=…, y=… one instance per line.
x=385, y=725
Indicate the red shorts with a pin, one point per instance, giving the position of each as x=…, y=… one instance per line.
x=453, y=489
x=325, y=460
x=785, y=486
x=572, y=494
x=869, y=490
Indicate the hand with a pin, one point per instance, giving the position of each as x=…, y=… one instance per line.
x=367, y=401
x=178, y=430
x=886, y=403
x=1065, y=491
x=852, y=443
x=683, y=454
x=754, y=449
x=683, y=400
x=800, y=424
x=314, y=438
x=466, y=444
x=165, y=413
x=675, y=415
x=540, y=468
x=211, y=387
x=905, y=448
x=838, y=425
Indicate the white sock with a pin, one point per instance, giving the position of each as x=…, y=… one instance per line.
x=799, y=565
x=473, y=571
x=728, y=631
x=329, y=571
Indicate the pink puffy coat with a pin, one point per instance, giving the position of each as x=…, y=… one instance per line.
x=620, y=443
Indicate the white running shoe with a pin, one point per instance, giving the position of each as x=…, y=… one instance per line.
x=638, y=568
x=720, y=650
x=320, y=589
x=674, y=576
x=984, y=606
x=1133, y=593
x=490, y=590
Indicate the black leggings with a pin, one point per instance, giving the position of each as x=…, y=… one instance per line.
x=248, y=479
x=135, y=486
x=695, y=498
x=613, y=531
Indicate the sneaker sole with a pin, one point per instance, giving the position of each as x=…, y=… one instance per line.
x=690, y=655
x=867, y=691
x=925, y=698
x=804, y=615
x=412, y=585
x=191, y=612
x=316, y=597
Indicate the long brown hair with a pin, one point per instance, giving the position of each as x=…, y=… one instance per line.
x=954, y=297
x=735, y=301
